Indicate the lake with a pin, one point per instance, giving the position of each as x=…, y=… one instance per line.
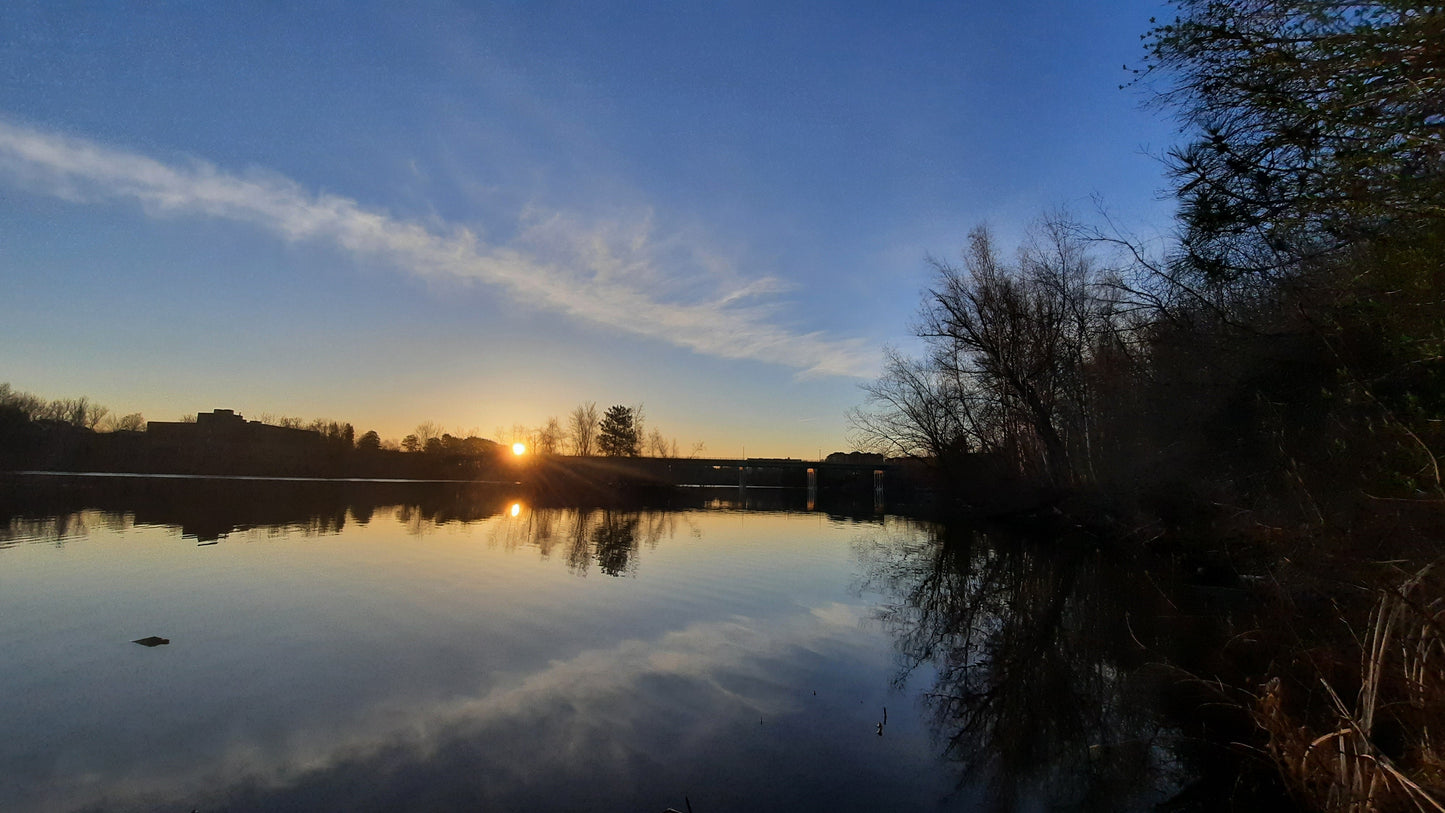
x=393, y=646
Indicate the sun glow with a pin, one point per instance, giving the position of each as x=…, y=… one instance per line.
x=519, y=449
x=516, y=509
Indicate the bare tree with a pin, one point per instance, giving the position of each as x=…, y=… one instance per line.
x=1020, y=337
x=639, y=427
x=27, y=404
x=54, y=410
x=658, y=446
x=286, y=421
x=134, y=422
x=582, y=428
x=1007, y=369
x=79, y=412
x=1060, y=271
x=93, y=414
x=915, y=409
x=425, y=432
x=548, y=438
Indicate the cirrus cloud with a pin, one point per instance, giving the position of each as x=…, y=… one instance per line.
x=619, y=275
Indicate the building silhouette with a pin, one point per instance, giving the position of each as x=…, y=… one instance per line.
x=222, y=434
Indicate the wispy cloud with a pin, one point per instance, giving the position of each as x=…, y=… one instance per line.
x=615, y=274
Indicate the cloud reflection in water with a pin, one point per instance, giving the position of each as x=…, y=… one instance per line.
x=639, y=723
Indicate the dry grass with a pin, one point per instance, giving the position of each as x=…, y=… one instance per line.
x=1383, y=752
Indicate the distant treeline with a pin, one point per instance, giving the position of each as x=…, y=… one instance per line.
x=29, y=422
x=17, y=406
x=78, y=435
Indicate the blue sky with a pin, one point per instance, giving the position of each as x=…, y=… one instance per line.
x=484, y=214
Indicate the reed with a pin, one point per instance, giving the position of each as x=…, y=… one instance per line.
x=1382, y=752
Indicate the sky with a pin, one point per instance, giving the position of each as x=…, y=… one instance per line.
x=484, y=214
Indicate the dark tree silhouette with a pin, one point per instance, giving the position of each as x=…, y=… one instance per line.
x=617, y=435
x=369, y=442
x=1313, y=125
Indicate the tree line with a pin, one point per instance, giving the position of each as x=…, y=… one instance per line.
x=620, y=431
x=1290, y=343
x=19, y=408
x=1265, y=390
x=17, y=405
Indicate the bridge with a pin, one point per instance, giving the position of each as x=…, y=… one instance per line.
x=693, y=472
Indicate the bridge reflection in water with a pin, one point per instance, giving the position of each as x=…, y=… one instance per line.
x=563, y=472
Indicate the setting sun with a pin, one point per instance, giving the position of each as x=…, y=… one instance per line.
x=519, y=449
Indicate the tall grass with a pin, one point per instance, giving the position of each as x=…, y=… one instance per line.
x=1384, y=751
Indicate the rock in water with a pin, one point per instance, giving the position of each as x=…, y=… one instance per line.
x=153, y=640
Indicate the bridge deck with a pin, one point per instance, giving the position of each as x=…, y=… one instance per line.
x=715, y=471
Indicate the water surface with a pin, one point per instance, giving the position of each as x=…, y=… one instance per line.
x=341, y=646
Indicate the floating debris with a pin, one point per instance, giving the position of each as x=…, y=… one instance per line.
x=154, y=640
x=880, y=729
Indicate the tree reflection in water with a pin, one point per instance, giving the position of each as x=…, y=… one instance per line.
x=610, y=537
x=1039, y=657
x=60, y=508
x=613, y=537
x=1041, y=690
x=61, y=527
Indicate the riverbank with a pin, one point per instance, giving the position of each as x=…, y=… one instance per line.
x=1327, y=662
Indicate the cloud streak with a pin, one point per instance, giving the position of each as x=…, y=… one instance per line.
x=616, y=275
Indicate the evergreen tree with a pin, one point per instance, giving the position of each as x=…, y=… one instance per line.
x=617, y=434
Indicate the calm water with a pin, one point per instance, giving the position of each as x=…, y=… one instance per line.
x=388, y=647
